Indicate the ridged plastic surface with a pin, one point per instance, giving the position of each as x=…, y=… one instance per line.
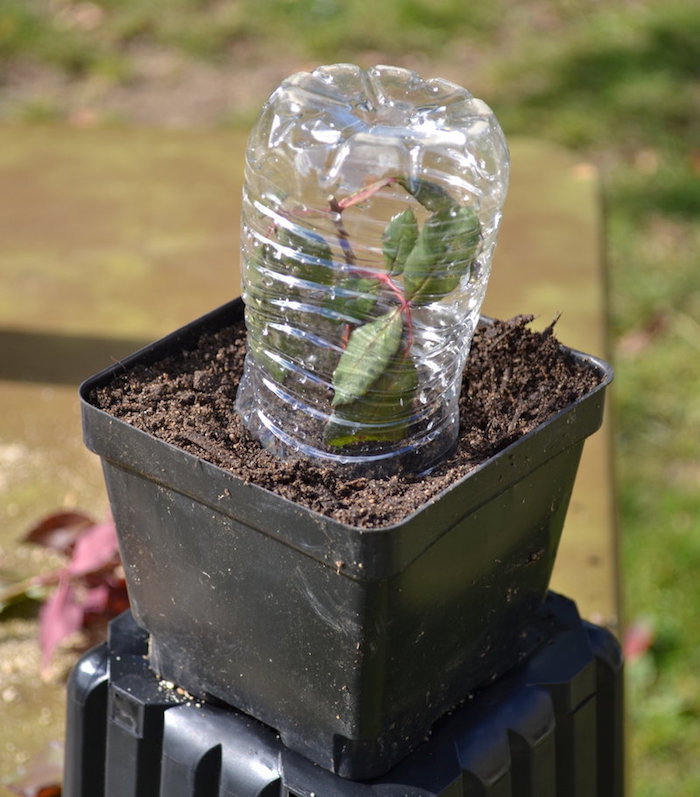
x=242, y=592
x=553, y=727
x=370, y=208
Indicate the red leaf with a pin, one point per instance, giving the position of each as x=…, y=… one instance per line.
x=118, y=598
x=59, y=531
x=96, y=549
x=95, y=600
x=59, y=617
x=639, y=638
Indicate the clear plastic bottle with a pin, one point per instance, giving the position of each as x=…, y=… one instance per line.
x=371, y=204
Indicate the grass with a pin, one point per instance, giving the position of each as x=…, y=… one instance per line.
x=617, y=81
x=622, y=87
x=338, y=30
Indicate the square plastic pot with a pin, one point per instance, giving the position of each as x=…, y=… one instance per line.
x=349, y=642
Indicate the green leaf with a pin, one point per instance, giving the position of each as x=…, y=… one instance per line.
x=369, y=351
x=399, y=239
x=383, y=413
x=311, y=258
x=263, y=340
x=431, y=195
x=443, y=253
x=304, y=255
x=355, y=297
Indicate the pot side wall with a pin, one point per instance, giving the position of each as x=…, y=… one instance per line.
x=349, y=642
x=351, y=672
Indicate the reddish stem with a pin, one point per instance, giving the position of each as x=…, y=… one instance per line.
x=337, y=207
x=364, y=193
x=23, y=587
x=404, y=304
x=343, y=237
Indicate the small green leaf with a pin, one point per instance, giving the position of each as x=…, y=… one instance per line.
x=264, y=340
x=431, y=195
x=311, y=258
x=355, y=297
x=261, y=282
x=383, y=413
x=369, y=351
x=443, y=253
x=399, y=239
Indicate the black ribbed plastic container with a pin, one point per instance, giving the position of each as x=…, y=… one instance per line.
x=244, y=599
x=551, y=727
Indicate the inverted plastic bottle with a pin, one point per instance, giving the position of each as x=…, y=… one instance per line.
x=371, y=204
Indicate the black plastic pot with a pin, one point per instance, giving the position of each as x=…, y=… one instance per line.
x=349, y=642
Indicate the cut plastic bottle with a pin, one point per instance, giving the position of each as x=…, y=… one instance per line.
x=371, y=204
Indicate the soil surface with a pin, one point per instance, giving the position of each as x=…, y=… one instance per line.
x=514, y=380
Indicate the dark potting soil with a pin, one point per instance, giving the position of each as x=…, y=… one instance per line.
x=514, y=380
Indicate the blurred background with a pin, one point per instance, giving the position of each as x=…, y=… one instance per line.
x=616, y=81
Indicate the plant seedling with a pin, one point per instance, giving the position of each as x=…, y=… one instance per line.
x=375, y=381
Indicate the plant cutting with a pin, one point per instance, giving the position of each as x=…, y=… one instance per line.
x=370, y=210
x=375, y=381
x=369, y=538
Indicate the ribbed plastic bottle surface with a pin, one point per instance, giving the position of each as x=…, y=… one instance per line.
x=370, y=209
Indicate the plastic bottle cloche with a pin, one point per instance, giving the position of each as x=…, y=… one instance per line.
x=371, y=203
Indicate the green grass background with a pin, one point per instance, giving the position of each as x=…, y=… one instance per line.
x=617, y=81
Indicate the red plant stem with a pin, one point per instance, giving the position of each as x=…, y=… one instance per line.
x=364, y=193
x=404, y=305
x=409, y=329
x=337, y=207
x=343, y=237
x=23, y=587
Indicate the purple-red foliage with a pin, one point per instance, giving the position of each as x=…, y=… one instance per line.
x=91, y=585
